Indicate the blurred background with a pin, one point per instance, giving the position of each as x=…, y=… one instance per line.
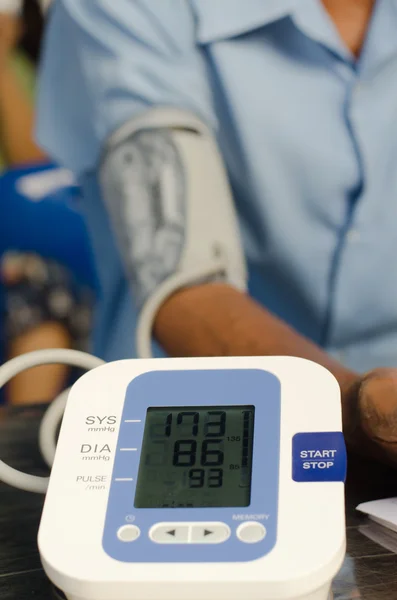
x=47, y=277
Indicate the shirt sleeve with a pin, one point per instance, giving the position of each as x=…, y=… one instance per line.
x=105, y=62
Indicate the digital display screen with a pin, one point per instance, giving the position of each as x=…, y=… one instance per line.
x=195, y=457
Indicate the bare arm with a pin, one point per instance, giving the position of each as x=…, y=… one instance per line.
x=218, y=320
x=16, y=121
x=16, y=110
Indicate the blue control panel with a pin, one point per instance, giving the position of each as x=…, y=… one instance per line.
x=140, y=527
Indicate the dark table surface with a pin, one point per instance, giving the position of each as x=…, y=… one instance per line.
x=369, y=572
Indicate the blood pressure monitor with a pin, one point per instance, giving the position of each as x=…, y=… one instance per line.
x=196, y=479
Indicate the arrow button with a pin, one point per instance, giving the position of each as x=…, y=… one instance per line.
x=170, y=533
x=209, y=533
x=189, y=533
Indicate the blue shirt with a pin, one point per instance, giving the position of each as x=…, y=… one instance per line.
x=308, y=134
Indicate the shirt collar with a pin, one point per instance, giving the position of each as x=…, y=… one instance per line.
x=311, y=17
x=381, y=42
x=272, y=10
x=241, y=16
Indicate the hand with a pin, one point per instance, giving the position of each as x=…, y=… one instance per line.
x=10, y=33
x=375, y=431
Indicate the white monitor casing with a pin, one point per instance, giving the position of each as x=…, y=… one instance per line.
x=310, y=544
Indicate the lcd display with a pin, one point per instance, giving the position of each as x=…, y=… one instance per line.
x=196, y=457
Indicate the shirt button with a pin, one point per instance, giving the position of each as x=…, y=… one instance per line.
x=353, y=235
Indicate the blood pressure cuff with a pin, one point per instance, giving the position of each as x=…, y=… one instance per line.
x=172, y=210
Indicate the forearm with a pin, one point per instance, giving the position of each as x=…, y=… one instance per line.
x=16, y=120
x=40, y=384
x=217, y=320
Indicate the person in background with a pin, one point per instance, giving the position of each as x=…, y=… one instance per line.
x=41, y=302
x=300, y=96
x=20, y=34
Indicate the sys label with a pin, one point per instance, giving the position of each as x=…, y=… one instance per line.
x=319, y=457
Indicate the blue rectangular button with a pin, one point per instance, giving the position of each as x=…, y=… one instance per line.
x=319, y=457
